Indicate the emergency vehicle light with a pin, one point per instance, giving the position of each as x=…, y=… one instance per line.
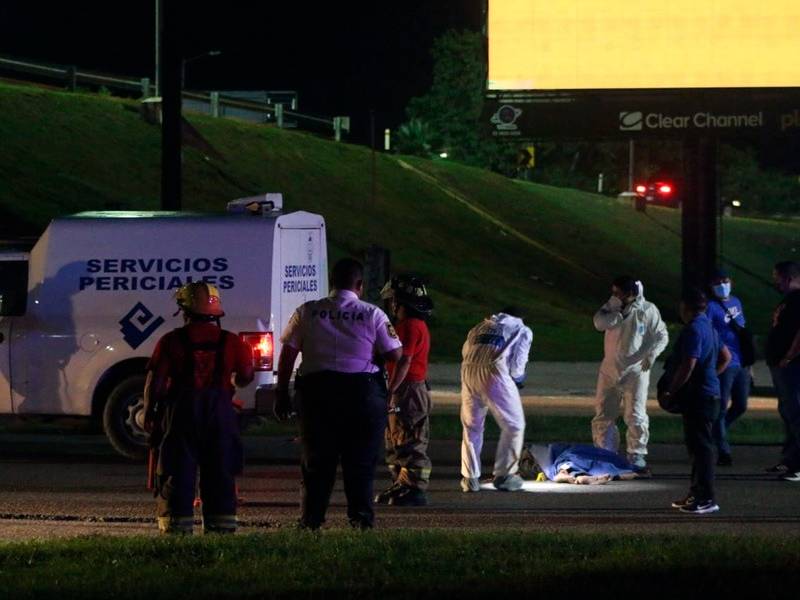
x=261, y=344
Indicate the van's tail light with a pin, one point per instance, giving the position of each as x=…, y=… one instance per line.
x=640, y=189
x=261, y=344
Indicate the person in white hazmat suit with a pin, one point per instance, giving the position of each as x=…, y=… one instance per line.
x=492, y=371
x=634, y=337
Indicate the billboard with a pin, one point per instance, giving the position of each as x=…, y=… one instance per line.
x=643, y=44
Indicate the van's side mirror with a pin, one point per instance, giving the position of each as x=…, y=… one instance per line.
x=13, y=287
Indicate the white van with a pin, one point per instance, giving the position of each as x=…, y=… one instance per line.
x=81, y=313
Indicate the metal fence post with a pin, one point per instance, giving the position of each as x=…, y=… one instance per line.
x=214, y=99
x=279, y=115
x=72, y=78
x=145, y=87
x=340, y=124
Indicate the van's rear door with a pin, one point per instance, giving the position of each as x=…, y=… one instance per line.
x=302, y=273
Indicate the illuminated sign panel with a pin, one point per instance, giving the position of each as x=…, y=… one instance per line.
x=643, y=44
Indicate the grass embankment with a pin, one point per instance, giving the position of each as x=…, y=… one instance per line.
x=482, y=240
x=393, y=564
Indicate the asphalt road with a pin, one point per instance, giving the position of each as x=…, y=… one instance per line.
x=56, y=485
x=71, y=489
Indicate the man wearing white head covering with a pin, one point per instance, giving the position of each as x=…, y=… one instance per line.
x=634, y=337
x=492, y=371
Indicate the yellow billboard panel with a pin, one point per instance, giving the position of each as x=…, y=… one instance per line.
x=643, y=44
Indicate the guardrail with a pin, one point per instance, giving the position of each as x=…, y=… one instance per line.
x=212, y=103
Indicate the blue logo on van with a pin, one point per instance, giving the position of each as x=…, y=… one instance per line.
x=139, y=324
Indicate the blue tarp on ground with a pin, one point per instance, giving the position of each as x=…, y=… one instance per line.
x=579, y=459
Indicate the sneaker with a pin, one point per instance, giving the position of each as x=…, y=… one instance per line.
x=638, y=461
x=779, y=468
x=790, y=476
x=470, y=484
x=700, y=507
x=409, y=496
x=683, y=502
x=508, y=483
x=386, y=495
x=724, y=460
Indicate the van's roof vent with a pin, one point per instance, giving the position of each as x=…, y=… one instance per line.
x=257, y=205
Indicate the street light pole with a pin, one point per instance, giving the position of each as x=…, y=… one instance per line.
x=186, y=61
x=159, y=25
x=170, y=89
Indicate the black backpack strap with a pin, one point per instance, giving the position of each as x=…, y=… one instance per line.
x=219, y=358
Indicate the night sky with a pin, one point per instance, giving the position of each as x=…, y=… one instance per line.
x=343, y=58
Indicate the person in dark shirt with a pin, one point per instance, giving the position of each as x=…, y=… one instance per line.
x=189, y=411
x=783, y=359
x=698, y=358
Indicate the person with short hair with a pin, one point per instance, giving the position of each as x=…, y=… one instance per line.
x=340, y=392
x=494, y=356
x=692, y=371
x=190, y=415
x=783, y=358
x=634, y=336
x=727, y=317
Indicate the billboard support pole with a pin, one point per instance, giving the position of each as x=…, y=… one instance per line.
x=630, y=164
x=699, y=211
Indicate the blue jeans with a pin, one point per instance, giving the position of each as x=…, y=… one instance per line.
x=787, y=385
x=734, y=383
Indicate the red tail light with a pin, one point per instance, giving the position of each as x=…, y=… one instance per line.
x=641, y=189
x=260, y=343
x=665, y=189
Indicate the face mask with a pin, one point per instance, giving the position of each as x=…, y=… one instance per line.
x=723, y=290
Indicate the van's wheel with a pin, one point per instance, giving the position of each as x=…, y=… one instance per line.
x=123, y=418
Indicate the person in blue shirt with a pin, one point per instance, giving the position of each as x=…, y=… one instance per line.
x=727, y=315
x=692, y=371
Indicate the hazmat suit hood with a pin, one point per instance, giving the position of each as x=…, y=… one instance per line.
x=632, y=334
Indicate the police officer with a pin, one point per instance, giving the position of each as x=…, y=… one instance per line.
x=189, y=412
x=408, y=433
x=341, y=394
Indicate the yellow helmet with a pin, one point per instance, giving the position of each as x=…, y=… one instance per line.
x=199, y=298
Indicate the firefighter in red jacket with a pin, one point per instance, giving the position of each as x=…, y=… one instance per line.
x=189, y=410
x=408, y=431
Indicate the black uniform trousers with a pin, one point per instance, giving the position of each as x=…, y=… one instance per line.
x=342, y=416
x=201, y=432
x=698, y=421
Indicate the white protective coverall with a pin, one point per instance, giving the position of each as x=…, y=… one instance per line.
x=494, y=355
x=634, y=335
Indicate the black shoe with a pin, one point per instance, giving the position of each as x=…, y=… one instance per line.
x=361, y=524
x=304, y=525
x=700, y=507
x=724, y=460
x=779, y=468
x=409, y=496
x=683, y=502
x=387, y=494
